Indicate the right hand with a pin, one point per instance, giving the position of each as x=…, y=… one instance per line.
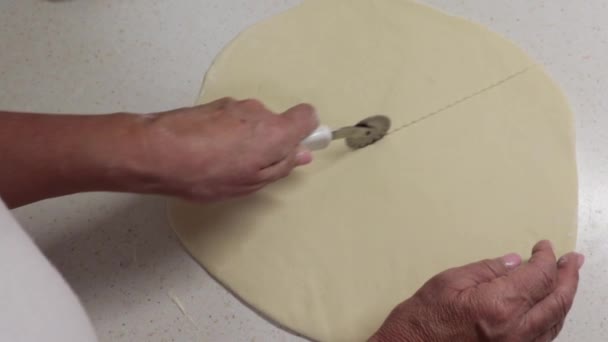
x=222, y=149
x=492, y=300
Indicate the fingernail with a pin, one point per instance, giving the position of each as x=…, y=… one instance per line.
x=551, y=244
x=581, y=260
x=512, y=260
x=304, y=158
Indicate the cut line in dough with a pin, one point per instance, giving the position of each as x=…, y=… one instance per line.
x=459, y=101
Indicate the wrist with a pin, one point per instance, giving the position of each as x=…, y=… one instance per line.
x=404, y=325
x=123, y=157
x=397, y=334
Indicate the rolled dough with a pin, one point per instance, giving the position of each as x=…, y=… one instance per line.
x=481, y=163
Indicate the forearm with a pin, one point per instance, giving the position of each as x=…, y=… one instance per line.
x=44, y=156
x=220, y=150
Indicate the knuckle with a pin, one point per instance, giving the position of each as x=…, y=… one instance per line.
x=275, y=137
x=274, y=134
x=562, y=304
x=251, y=104
x=441, y=279
x=225, y=102
x=501, y=313
x=491, y=267
x=494, y=321
x=440, y=282
x=309, y=112
x=306, y=108
x=493, y=308
x=546, y=278
x=303, y=113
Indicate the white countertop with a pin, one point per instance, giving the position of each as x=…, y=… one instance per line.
x=118, y=252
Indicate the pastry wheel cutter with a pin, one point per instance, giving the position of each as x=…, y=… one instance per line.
x=363, y=134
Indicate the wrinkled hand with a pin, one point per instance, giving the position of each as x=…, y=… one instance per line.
x=492, y=300
x=224, y=149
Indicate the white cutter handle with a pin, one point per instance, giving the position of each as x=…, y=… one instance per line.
x=319, y=139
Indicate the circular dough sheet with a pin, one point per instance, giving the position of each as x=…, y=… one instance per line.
x=481, y=162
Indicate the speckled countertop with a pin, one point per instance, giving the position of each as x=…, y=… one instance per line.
x=143, y=55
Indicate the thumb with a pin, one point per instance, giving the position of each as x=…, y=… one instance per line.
x=549, y=314
x=299, y=122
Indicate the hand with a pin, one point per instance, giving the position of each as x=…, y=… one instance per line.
x=224, y=149
x=492, y=300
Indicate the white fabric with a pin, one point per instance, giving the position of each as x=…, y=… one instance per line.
x=36, y=302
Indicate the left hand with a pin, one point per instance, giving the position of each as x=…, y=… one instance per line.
x=491, y=300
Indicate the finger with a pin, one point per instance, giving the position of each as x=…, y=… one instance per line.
x=537, y=278
x=247, y=190
x=298, y=123
x=253, y=105
x=280, y=169
x=552, y=311
x=483, y=271
x=303, y=157
x=221, y=192
x=550, y=334
x=219, y=103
